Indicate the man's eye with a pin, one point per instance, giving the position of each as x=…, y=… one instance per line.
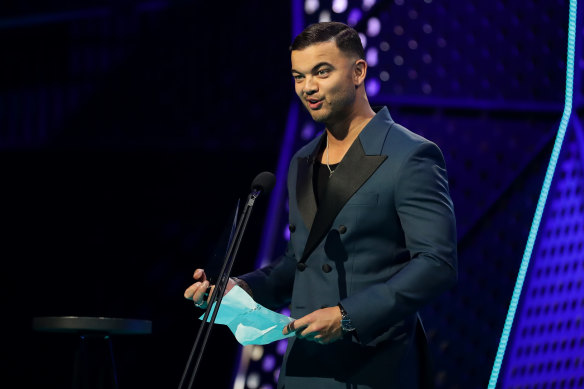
x=323, y=72
x=298, y=77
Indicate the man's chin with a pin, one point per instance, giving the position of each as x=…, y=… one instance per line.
x=318, y=116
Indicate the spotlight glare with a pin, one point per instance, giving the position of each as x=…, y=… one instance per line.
x=373, y=26
x=253, y=380
x=371, y=56
x=368, y=4
x=354, y=16
x=311, y=6
x=268, y=363
x=339, y=6
x=372, y=86
x=257, y=353
x=325, y=16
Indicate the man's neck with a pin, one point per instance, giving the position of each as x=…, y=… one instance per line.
x=346, y=130
x=342, y=134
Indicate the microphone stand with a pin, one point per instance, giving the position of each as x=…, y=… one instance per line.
x=219, y=290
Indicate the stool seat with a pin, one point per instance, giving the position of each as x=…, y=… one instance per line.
x=89, y=325
x=95, y=367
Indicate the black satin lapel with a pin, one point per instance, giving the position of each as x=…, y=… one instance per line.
x=353, y=171
x=304, y=190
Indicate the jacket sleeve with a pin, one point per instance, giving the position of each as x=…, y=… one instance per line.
x=426, y=213
x=272, y=285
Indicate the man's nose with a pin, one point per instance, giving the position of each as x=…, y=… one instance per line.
x=310, y=86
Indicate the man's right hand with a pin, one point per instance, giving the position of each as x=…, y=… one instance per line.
x=198, y=291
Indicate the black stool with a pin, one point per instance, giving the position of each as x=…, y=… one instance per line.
x=95, y=366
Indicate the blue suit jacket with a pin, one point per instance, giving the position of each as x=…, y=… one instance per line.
x=382, y=242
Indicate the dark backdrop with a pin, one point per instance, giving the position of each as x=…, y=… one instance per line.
x=129, y=130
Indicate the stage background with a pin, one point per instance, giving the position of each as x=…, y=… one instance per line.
x=130, y=129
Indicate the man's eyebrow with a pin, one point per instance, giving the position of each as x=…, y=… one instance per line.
x=315, y=67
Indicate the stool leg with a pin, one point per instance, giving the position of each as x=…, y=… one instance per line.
x=80, y=371
x=94, y=366
x=113, y=362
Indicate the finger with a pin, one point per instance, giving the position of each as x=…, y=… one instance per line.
x=289, y=328
x=200, y=275
x=199, y=295
x=305, y=332
x=190, y=291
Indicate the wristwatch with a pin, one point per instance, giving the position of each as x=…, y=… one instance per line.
x=346, y=324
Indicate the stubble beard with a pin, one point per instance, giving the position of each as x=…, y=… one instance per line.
x=333, y=111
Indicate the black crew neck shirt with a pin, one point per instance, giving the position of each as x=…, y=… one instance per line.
x=320, y=178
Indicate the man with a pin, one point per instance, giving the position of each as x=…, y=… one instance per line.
x=373, y=235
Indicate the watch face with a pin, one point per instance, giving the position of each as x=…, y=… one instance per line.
x=346, y=325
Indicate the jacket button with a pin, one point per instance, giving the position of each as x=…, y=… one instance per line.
x=327, y=268
x=301, y=266
x=342, y=229
x=292, y=227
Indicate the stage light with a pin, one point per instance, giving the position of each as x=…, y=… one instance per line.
x=269, y=363
x=384, y=76
x=372, y=86
x=368, y=4
x=253, y=380
x=257, y=353
x=339, y=6
x=373, y=26
x=354, y=17
x=281, y=347
x=307, y=131
x=325, y=16
x=372, y=56
x=426, y=88
x=311, y=6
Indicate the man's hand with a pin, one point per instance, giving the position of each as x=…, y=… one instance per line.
x=201, y=290
x=322, y=326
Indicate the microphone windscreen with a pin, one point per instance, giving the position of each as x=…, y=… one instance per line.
x=264, y=181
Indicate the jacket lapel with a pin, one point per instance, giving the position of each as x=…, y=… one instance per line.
x=353, y=171
x=304, y=187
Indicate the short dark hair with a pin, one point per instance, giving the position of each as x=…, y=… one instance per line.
x=346, y=38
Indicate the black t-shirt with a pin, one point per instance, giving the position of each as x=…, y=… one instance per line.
x=320, y=177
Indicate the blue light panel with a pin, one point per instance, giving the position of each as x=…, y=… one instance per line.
x=542, y=197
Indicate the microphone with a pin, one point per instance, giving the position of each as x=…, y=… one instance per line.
x=264, y=182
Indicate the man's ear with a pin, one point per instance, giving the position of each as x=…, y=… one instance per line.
x=359, y=72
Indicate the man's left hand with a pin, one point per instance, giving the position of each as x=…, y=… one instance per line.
x=321, y=326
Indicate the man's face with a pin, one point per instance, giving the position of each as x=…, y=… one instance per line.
x=324, y=81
